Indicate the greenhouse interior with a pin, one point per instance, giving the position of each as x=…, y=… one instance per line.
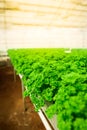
x=43, y=65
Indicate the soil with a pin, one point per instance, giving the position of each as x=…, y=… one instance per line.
x=12, y=114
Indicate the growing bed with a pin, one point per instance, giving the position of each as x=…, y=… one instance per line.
x=56, y=78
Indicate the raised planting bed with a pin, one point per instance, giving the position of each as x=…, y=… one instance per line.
x=60, y=78
x=50, y=124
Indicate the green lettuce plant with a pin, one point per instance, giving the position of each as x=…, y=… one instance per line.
x=60, y=78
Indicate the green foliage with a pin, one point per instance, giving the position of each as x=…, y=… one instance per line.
x=51, y=75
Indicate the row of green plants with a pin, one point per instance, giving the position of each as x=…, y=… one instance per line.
x=58, y=78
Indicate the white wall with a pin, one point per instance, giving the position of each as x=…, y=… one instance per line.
x=43, y=37
x=47, y=23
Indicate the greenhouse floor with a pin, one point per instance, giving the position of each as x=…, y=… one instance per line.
x=12, y=114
